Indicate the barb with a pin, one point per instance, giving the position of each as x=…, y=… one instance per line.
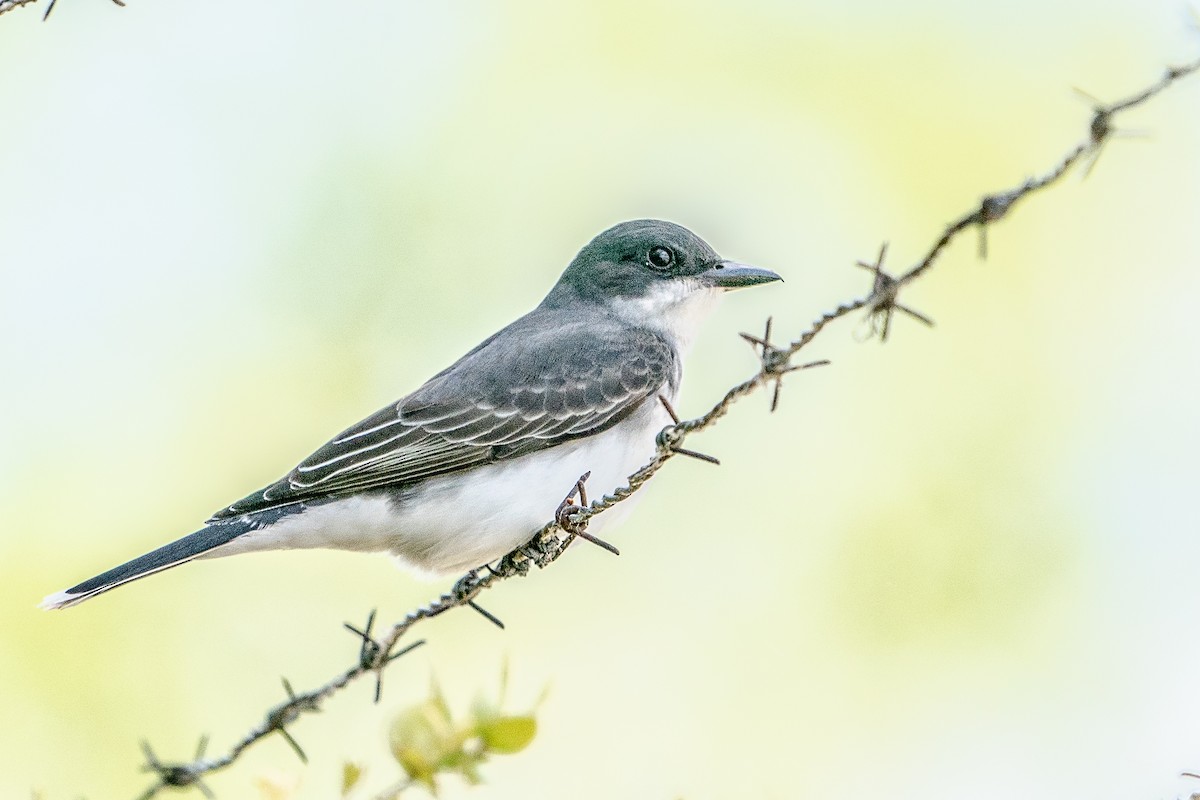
x=9, y=5
x=570, y=520
x=776, y=362
x=674, y=445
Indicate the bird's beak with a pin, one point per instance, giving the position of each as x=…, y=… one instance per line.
x=732, y=275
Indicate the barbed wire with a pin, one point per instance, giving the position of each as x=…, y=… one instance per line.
x=570, y=521
x=9, y=5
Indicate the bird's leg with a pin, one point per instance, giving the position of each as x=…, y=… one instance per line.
x=567, y=509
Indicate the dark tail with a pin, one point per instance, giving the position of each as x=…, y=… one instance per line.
x=170, y=555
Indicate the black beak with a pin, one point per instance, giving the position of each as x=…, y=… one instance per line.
x=732, y=275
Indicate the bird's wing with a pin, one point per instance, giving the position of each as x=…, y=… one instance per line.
x=506, y=398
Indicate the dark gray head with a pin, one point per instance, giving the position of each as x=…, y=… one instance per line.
x=649, y=256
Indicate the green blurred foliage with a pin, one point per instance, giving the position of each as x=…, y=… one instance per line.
x=351, y=774
x=428, y=742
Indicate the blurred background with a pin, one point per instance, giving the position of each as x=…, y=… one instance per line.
x=961, y=564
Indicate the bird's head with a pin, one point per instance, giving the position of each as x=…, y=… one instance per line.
x=654, y=274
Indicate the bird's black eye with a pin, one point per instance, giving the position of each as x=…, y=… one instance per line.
x=661, y=257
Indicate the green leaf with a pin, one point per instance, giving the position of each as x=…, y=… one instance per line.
x=470, y=771
x=543, y=696
x=350, y=775
x=437, y=705
x=418, y=742
x=483, y=709
x=507, y=734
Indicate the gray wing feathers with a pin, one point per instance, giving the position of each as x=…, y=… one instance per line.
x=511, y=396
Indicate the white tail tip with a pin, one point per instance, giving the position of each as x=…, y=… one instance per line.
x=60, y=600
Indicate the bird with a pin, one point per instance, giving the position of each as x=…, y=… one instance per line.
x=473, y=463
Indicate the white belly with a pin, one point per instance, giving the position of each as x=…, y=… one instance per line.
x=458, y=522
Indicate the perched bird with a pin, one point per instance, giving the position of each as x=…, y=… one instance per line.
x=474, y=462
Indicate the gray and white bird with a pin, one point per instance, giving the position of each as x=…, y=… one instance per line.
x=474, y=462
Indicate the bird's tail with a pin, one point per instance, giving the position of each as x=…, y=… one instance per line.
x=170, y=555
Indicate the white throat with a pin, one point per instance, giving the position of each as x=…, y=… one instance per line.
x=675, y=308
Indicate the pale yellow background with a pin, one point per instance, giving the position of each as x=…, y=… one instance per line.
x=961, y=565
